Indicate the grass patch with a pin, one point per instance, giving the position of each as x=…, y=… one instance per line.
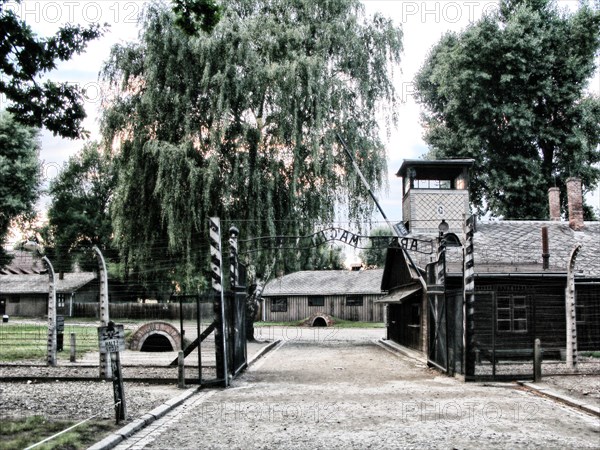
x=19, y=341
x=338, y=323
x=22, y=432
x=341, y=323
x=594, y=354
x=295, y=323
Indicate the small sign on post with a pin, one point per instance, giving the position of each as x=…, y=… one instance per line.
x=60, y=330
x=60, y=324
x=111, y=339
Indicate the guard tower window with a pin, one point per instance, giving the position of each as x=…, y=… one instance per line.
x=443, y=174
x=431, y=184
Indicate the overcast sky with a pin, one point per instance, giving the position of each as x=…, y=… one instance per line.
x=423, y=23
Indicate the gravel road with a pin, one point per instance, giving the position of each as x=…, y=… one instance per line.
x=312, y=393
x=331, y=388
x=79, y=400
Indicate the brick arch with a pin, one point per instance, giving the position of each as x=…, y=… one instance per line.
x=163, y=328
x=323, y=318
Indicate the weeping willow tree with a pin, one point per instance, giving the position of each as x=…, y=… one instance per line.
x=242, y=124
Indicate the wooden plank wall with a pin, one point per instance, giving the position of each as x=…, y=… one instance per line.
x=27, y=305
x=335, y=305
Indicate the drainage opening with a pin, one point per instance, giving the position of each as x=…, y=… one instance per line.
x=319, y=322
x=156, y=343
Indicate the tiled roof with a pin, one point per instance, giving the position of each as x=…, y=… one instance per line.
x=38, y=284
x=23, y=263
x=326, y=282
x=516, y=247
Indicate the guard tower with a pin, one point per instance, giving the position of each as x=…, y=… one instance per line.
x=434, y=191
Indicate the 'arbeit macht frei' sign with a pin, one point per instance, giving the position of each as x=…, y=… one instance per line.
x=334, y=234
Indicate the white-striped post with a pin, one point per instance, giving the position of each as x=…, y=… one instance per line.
x=219, y=305
x=233, y=257
x=571, y=313
x=105, y=363
x=469, y=298
x=51, y=354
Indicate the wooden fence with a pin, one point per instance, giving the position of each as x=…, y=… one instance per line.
x=145, y=311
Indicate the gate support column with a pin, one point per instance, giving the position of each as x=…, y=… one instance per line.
x=219, y=302
x=469, y=299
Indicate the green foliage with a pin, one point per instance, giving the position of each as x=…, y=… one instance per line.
x=194, y=15
x=323, y=257
x=19, y=174
x=241, y=124
x=375, y=257
x=24, y=58
x=79, y=215
x=509, y=91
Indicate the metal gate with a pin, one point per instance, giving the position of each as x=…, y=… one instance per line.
x=454, y=331
x=236, y=309
x=445, y=349
x=437, y=339
x=437, y=352
x=445, y=319
x=197, y=308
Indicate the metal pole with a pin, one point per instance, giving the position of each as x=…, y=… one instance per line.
x=198, y=319
x=366, y=183
x=51, y=313
x=394, y=229
x=118, y=391
x=105, y=364
x=181, y=330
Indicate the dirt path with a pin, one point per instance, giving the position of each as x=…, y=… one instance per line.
x=334, y=393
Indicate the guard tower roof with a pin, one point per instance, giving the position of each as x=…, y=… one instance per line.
x=434, y=168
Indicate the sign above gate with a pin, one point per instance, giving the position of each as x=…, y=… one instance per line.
x=333, y=234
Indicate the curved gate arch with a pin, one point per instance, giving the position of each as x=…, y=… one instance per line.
x=164, y=329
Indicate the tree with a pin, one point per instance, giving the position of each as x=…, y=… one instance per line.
x=195, y=15
x=19, y=172
x=323, y=257
x=242, y=124
x=375, y=256
x=24, y=58
x=509, y=92
x=79, y=216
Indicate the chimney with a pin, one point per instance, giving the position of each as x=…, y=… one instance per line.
x=554, y=199
x=575, y=199
x=545, y=249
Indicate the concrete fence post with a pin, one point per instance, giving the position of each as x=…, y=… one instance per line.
x=181, y=370
x=73, y=356
x=537, y=361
